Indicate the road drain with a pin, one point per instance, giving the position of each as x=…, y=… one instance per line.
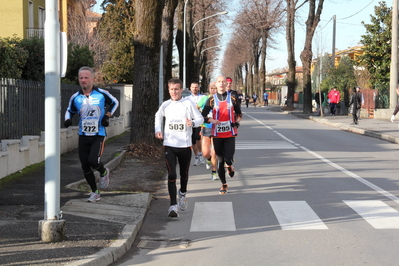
x=156, y=244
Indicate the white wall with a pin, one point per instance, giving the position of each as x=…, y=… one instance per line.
x=16, y=154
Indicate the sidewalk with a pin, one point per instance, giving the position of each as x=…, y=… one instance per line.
x=381, y=129
x=100, y=233
x=97, y=233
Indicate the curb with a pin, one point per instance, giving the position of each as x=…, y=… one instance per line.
x=125, y=240
x=111, y=166
x=119, y=247
x=356, y=130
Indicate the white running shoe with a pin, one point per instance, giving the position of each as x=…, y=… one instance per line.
x=214, y=176
x=173, y=212
x=196, y=161
x=104, y=180
x=94, y=196
x=201, y=159
x=208, y=164
x=182, y=204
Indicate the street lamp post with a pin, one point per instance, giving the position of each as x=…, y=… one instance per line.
x=214, y=15
x=216, y=46
x=216, y=35
x=184, y=37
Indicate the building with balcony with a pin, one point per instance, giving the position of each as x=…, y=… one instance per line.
x=22, y=18
x=278, y=77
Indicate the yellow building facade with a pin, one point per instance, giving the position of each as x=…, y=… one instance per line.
x=23, y=18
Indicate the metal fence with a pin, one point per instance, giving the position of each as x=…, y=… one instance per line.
x=22, y=106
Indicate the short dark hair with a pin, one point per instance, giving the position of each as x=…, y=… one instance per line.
x=175, y=81
x=86, y=68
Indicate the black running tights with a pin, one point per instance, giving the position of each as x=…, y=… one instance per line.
x=90, y=151
x=172, y=156
x=224, y=149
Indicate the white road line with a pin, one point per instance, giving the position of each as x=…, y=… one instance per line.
x=213, y=216
x=264, y=145
x=347, y=172
x=378, y=214
x=296, y=215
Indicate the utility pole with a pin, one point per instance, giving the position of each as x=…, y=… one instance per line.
x=333, y=41
x=52, y=228
x=320, y=79
x=393, y=98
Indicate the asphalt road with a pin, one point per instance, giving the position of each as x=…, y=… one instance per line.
x=304, y=194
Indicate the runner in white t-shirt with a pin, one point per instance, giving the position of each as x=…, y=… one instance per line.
x=180, y=117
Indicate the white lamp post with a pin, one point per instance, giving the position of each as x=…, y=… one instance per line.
x=216, y=46
x=184, y=37
x=216, y=35
x=217, y=14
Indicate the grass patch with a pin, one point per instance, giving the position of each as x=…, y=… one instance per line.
x=21, y=173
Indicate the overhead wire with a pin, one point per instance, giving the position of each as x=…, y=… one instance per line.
x=357, y=11
x=354, y=14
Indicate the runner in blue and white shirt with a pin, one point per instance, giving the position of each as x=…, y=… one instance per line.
x=90, y=103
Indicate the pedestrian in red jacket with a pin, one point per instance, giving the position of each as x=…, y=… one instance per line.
x=333, y=97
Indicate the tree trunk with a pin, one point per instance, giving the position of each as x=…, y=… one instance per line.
x=167, y=43
x=179, y=35
x=256, y=55
x=290, y=37
x=247, y=92
x=306, y=54
x=262, y=73
x=251, y=77
x=147, y=40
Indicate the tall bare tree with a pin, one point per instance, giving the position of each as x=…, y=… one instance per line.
x=306, y=55
x=255, y=24
x=147, y=40
x=291, y=8
x=167, y=41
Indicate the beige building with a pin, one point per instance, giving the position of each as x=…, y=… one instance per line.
x=22, y=18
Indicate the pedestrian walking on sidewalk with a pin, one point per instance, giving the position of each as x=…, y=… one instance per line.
x=180, y=117
x=226, y=115
x=355, y=103
x=361, y=103
x=334, y=97
x=90, y=103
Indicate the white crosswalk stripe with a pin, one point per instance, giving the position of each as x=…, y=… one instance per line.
x=296, y=215
x=213, y=216
x=291, y=215
x=376, y=213
x=264, y=145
